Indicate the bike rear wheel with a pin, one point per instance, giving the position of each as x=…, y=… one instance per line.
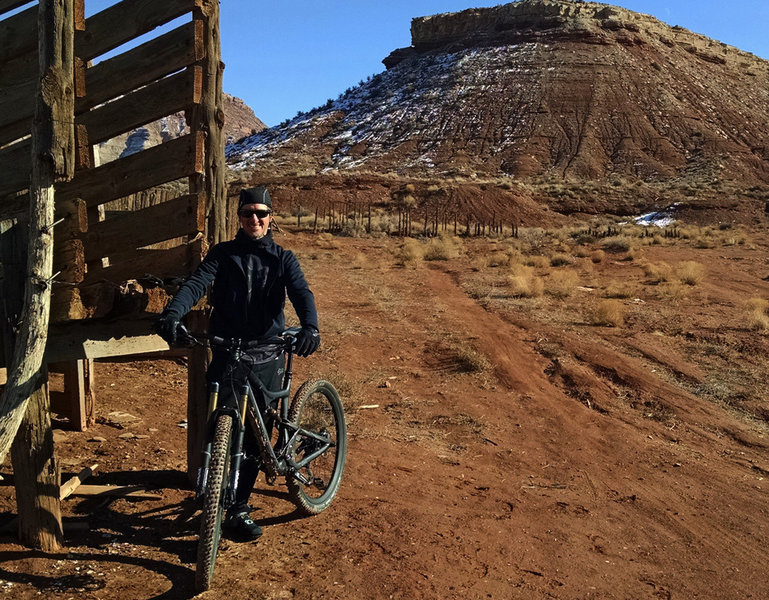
x=213, y=503
x=317, y=408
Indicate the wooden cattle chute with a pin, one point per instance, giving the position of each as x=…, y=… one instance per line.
x=98, y=254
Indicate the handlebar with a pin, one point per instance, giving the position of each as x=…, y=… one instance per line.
x=285, y=340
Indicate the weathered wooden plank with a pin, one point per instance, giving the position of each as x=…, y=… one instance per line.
x=150, y=168
x=17, y=102
x=159, y=264
x=8, y=5
x=126, y=21
x=18, y=79
x=152, y=60
x=15, y=131
x=16, y=167
x=99, y=339
x=180, y=216
x=138, y=492
x=15, y=207
x=160, y=99
x=19, y=34
x=72, y=484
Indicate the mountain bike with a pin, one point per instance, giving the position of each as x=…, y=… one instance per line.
x=309, y=449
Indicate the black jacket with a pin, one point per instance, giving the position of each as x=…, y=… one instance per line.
x=250, y=281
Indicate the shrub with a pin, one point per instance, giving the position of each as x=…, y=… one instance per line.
x=410, y=252
x=610, y=313
x=757, y=314
x=657, y=272
x=442, y=248
x=561, y=284
x=618, y=289
x=525, y=285
x=617, y=244
x=498, y=259
x=559, y=260
x=597, y=256
x=537, y=261
x=690, y=272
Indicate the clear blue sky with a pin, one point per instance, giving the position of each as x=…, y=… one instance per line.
x=292, y=55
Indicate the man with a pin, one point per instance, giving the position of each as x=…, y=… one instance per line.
x=251, y=276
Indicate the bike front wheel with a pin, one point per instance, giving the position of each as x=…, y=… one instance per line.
x=213, y=503
x=317, y=412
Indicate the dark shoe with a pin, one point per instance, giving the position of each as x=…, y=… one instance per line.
x=241, y=525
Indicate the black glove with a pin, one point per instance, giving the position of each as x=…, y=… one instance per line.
x=307, y=341
x=166, y=327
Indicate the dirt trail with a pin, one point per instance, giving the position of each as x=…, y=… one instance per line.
x=489, y=469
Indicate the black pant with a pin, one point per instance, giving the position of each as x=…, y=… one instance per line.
x=230, y=380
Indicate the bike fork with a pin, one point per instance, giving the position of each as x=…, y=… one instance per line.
x=237, y=450
x=202, y=479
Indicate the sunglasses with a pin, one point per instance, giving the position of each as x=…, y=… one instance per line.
x=259, y=214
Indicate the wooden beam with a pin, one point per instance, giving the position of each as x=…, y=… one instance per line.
x=133, y=229
x=125, y=21
x=155, y=166
x=15, y=131
x=19, y=34
x=152, y=60
x=99, y=339
x=9, y=5
x=18, y=79
x=161, y=264
x=72, y=484
x=69, y=260
x=137, y=492
x=16, y=167
x=154, y=101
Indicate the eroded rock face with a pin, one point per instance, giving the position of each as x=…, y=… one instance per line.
x=239, y=121
x=574, y=90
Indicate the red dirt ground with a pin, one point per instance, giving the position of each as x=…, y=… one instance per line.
x=515, y=450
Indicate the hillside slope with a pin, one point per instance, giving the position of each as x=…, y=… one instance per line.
x=581, y=91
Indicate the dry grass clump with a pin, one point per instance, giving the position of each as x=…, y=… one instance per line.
x=672, y=291
x=610, y=313
x=327, y=241
x=598, y=256
x=359, y=261
x=619, y=289
x=524, y=283
x=561, y=284
x=617, y=244
x=757, y=314
x=581, y=251
x=498, y=259
x=559, y=259
x=537, y=261
x=690, y=272
x=657, y=272
x=410, y=253
x=444, y=247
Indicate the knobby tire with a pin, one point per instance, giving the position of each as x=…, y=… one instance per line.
x=317, y=407
x=211, y=519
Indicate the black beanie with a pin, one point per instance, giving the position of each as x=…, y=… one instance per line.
x=256, y=195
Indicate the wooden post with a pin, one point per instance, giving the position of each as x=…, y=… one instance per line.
x=77, y=403
x=24, y=407
x=37, y=475
x=197, y=395
x=208, y=117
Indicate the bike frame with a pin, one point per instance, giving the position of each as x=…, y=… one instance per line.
x=275, y=460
